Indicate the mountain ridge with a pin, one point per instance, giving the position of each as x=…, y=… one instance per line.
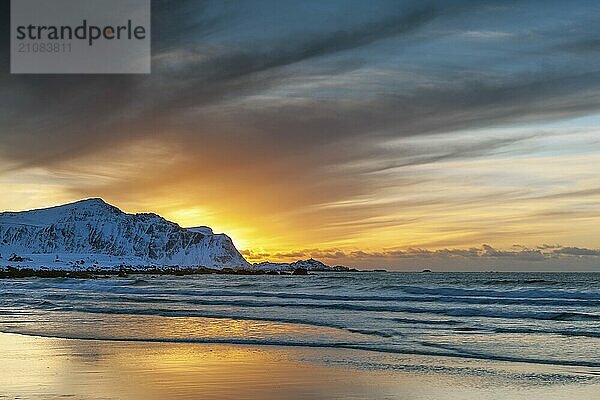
x=93, y=232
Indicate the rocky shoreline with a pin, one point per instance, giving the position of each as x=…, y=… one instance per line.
x=12, y=272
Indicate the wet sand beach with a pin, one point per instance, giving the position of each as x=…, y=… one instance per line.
x=50, y=368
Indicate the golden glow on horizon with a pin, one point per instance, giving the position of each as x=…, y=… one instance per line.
x=192, y=217
x=458, y=204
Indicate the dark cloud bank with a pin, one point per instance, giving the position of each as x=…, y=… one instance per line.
x=50, y=118
x=542, y=258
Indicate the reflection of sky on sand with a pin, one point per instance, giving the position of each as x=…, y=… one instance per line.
x=93, y=369
x=78, y=325
x=34, y=367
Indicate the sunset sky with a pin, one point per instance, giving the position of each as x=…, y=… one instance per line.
x=358, y=132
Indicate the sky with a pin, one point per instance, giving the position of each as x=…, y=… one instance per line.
x=393, y=134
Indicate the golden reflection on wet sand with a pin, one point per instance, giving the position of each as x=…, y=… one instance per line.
x=34, y=367
x=91, y=325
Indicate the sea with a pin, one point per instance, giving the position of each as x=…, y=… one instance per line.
x=532, y=318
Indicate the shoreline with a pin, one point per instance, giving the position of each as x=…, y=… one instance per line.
x=314, y=347
x=12, y=272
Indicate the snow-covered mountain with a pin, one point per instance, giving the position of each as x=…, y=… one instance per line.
x=309, y=265
x=91, y=233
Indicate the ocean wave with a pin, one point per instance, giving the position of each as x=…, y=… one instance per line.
x=502, y=313
x=516, y=293
x=441, y=350
x=133, y=292
x=139, y=282
x=541, y=315
x=325, y=291
x=228, y=316
x=413, y=321
x=470, y=353
x=562, y=332
x=445, y=311
x=519, y=282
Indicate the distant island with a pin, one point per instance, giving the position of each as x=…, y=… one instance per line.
x=93, y=237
